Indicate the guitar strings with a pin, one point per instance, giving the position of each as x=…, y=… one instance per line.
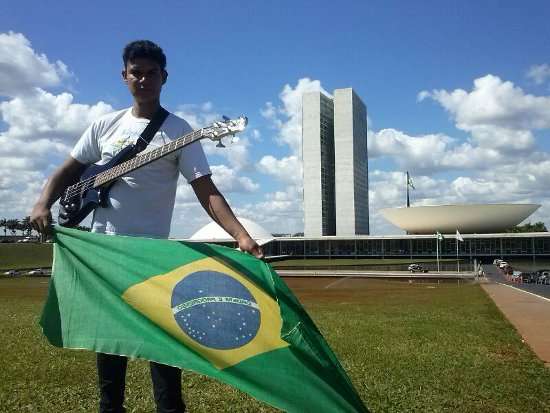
x=82, y=186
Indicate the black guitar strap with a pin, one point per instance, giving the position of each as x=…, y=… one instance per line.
x=158, y=119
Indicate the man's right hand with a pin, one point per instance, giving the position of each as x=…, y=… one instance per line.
x=65, y=175
x=41, y=218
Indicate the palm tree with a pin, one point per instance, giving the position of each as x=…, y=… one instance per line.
x=26, y=225
x=4, y=223
x=13, y=225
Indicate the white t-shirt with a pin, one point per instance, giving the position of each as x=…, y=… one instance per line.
x=140, y=203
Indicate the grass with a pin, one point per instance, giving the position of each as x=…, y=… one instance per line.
x=25, y=256
x=407, y=347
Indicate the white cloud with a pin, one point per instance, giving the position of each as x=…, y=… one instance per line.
x=496, y=113
x=430, y=153
x=40, y=127
x=228, y=180
x=287, y=119
x=539, y=73
x=279, y=212
x=198, y=115
x=287, y=169
x=256, y=135
x=22, y=69
x=42, y=114
x=236, y=151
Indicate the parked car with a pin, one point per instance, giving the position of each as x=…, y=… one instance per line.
x=543, y=277
x=528, y=277
x=515, y=276
x=38, y=271
x=497, y=261
x=502, y=264
x=11, y=273
x=416, y=268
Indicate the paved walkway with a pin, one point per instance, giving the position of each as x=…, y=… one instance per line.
x=529, y=313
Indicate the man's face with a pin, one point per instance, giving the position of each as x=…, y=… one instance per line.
x=144, y=78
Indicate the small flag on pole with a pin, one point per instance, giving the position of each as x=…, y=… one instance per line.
x=439, y=236
x=459, y=237
x=410, y=181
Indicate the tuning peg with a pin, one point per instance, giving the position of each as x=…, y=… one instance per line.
x=220, y=144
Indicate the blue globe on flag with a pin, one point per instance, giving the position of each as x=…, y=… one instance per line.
x=215, y=310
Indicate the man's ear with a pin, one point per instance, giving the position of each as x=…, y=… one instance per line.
x=164, y=76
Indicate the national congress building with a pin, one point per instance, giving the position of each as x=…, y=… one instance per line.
x=334, y=148
x=336, y=204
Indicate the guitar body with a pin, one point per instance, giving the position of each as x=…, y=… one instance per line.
x=76, y=203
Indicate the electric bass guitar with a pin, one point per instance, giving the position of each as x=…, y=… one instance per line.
x=92, y=189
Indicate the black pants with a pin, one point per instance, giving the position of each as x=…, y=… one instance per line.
x=111, y=371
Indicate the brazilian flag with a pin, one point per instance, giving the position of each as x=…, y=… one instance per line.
x=206, y=308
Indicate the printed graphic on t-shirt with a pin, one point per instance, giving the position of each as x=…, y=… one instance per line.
x=119, y=144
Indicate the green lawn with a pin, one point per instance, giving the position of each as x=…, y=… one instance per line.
x=21, y=256
x=407, y=347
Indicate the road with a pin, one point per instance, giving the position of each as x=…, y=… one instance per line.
x=494, y=274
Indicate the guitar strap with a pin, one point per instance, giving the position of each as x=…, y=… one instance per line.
x=158, y=119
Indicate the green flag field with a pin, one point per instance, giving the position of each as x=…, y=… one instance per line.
x=207, y=308
x=405, y=347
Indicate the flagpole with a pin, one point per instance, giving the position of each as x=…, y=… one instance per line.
x=437, y=250
x=408, y=201
x=457, y=262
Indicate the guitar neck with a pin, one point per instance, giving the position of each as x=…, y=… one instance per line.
x=143, y=159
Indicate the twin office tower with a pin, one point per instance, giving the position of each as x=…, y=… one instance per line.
x=334, y=148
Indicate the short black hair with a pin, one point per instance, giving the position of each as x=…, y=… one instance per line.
x=144, y=49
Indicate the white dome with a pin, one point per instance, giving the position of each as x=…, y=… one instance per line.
x=213, y=231
x=468, y=219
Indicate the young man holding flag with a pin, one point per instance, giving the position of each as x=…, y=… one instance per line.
x=141, y=203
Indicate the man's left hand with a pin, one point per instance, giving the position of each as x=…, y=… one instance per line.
x=247, y=244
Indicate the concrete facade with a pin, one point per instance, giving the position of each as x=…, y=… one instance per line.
x=318, y=164
x=334, y=150
x=351, y=164
x=467, y=218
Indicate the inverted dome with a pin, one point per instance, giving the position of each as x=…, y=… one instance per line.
x=213, y=231
x=468, y=219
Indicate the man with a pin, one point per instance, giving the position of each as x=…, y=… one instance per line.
x=142, y=202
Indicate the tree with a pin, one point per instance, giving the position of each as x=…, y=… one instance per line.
x=536, y=227
x=13, y=225
x=26, y=225
x=4, y=223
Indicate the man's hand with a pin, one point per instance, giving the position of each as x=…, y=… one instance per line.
x=41, y=218
x=216, y=206
x=65, y=175
x=247, y=244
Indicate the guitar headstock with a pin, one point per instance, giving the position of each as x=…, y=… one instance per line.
x=223, y=128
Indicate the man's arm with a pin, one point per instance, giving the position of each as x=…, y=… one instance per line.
x=65, y=175
x=216, y=206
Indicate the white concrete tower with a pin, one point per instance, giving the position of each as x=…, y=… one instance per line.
x=318, y=164
x=351, y=164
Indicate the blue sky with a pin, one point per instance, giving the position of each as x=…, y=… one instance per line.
x=414, y=64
